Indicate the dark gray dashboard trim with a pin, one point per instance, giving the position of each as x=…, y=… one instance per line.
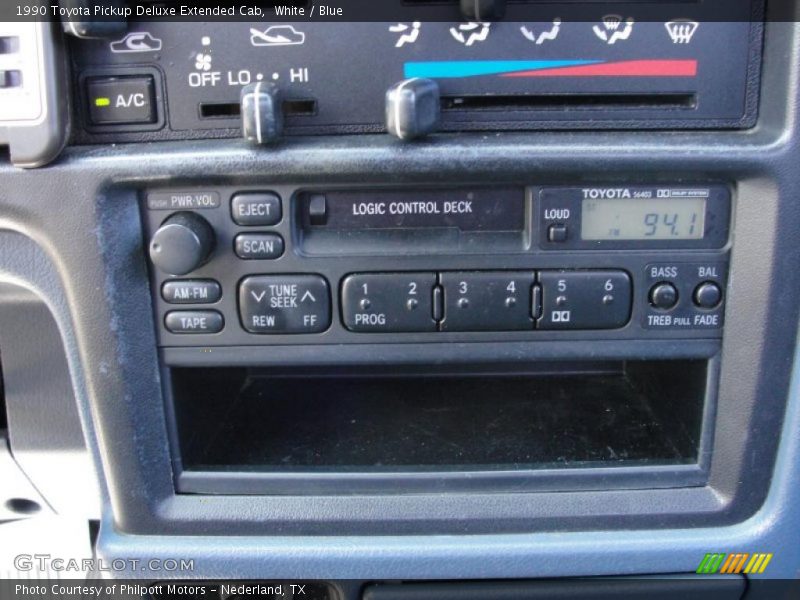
x=82, y=216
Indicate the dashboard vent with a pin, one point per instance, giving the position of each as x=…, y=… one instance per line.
x=21, y=90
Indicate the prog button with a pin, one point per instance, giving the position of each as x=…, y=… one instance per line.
x=284, y=304
x=388, y=302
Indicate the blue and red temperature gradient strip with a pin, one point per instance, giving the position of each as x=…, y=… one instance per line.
x=552, y=68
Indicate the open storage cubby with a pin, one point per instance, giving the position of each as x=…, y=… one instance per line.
x=312, y=423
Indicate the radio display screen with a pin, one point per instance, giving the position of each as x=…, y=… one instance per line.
x=643, y=218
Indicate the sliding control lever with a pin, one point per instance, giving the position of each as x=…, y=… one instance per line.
x=412, y=108
x=183, y=243
x=483, y=10
x=262, y=112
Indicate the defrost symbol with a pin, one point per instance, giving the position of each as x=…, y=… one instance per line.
x=681, y=31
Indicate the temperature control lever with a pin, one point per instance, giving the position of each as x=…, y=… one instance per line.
x=483, y=10
x=412, y=108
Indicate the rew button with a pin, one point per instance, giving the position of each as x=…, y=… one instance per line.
x=284, y=304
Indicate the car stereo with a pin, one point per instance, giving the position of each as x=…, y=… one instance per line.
x=348, y=264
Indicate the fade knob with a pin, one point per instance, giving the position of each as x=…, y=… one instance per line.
x=412, y=108
x=262, y=112
x=183, y=243
x=483, y=10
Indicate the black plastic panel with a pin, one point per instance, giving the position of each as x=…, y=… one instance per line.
x=393, y=429
x=334, y=75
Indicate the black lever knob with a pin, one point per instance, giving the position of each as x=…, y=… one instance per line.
x=183, y=243
x=92, y=27
x=412, y=108
x=483, y=10
x=262, y=112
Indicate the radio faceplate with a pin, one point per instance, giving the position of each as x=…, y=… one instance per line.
x=292, y=265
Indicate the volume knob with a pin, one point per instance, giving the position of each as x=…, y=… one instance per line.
x=182, y=244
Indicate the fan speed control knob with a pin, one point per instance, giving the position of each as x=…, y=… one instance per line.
x=183, y=243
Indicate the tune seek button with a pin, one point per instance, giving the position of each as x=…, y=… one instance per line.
x=194, y=321
x=278, y=304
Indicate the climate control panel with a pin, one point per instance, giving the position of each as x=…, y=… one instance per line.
x=297, y=265
x=419, y=68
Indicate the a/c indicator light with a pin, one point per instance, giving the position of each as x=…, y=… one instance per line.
x=102, y=101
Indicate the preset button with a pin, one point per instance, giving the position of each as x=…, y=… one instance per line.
x=388, y=302
x=585, y=299
x=487, y=301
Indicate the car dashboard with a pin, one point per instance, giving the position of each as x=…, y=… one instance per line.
x=400, y=300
